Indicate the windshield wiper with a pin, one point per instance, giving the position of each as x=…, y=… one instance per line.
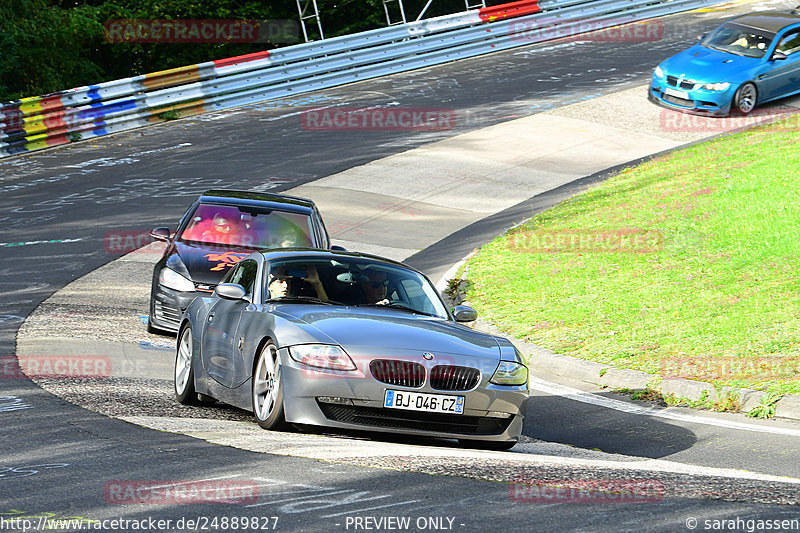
x=396, y=305
x=309, y=299
x=725, y=50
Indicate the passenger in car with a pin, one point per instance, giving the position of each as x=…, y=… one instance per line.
x=221, y=229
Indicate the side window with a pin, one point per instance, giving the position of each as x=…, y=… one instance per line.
x=790, y=43
x=245, y=275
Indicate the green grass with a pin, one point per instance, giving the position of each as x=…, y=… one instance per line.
x=718, y=299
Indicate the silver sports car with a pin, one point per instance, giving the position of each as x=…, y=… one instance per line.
x=350, y=341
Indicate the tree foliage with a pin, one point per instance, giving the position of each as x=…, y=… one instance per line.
x=53, y=45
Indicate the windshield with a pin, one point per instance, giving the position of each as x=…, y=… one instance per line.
x=739, y=40
x=354, y=282
x=248, y=227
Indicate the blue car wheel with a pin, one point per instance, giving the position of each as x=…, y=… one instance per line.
x=745, y=98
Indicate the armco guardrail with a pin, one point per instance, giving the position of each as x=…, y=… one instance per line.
x=35, y=123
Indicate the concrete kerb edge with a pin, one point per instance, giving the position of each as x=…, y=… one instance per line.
x=605, y=376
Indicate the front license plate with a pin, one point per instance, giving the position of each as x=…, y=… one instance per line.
x=418, y=401
x=676, y=93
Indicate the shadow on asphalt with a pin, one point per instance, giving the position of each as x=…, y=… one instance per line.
x=565, y=421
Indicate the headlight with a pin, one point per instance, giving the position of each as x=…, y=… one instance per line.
x=510, y=373
x=322, y=356
x=659, y=73
x=716, y=86
x=171, y=279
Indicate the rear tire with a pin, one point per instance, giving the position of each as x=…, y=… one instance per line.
x=267, y=389
x=745, y=99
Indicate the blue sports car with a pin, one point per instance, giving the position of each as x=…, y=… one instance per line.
x=747, y=61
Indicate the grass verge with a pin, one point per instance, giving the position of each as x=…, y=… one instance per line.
x=685, y=266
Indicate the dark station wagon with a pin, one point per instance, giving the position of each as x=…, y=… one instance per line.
x=217, y=231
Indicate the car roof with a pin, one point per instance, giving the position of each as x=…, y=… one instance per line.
x=770, y=21
x=285, y=253
x=281, y=202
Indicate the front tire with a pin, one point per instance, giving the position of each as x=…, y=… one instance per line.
x=267, y=389
x=745, y=98
x=185, y=392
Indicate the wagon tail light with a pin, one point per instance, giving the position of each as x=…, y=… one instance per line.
x=325, y=356
x=510, y=373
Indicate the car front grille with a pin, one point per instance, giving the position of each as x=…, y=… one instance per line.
x=398, y=419
x=204, y=287
x=684, y=84
x=677, y=101
x=454, y=378
x=398, y=373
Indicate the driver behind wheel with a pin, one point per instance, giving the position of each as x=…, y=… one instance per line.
x=374, y=285
x=302, y=280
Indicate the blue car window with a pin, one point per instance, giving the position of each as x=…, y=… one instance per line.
x=790, y=43
x=739, y=40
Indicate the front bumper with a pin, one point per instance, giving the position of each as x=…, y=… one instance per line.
x=689, y=100
x=167, y=307
x=355, y=401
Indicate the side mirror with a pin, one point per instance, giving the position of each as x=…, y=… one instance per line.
x=161, y=234
x=337, y=248
x=230, y=291
x=779, y=56
x=462, y=313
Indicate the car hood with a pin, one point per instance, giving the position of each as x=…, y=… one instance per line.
x=710, y=66
x=371, y=331
x=207, y=264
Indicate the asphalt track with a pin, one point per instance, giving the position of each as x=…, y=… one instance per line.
x=143, y=179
